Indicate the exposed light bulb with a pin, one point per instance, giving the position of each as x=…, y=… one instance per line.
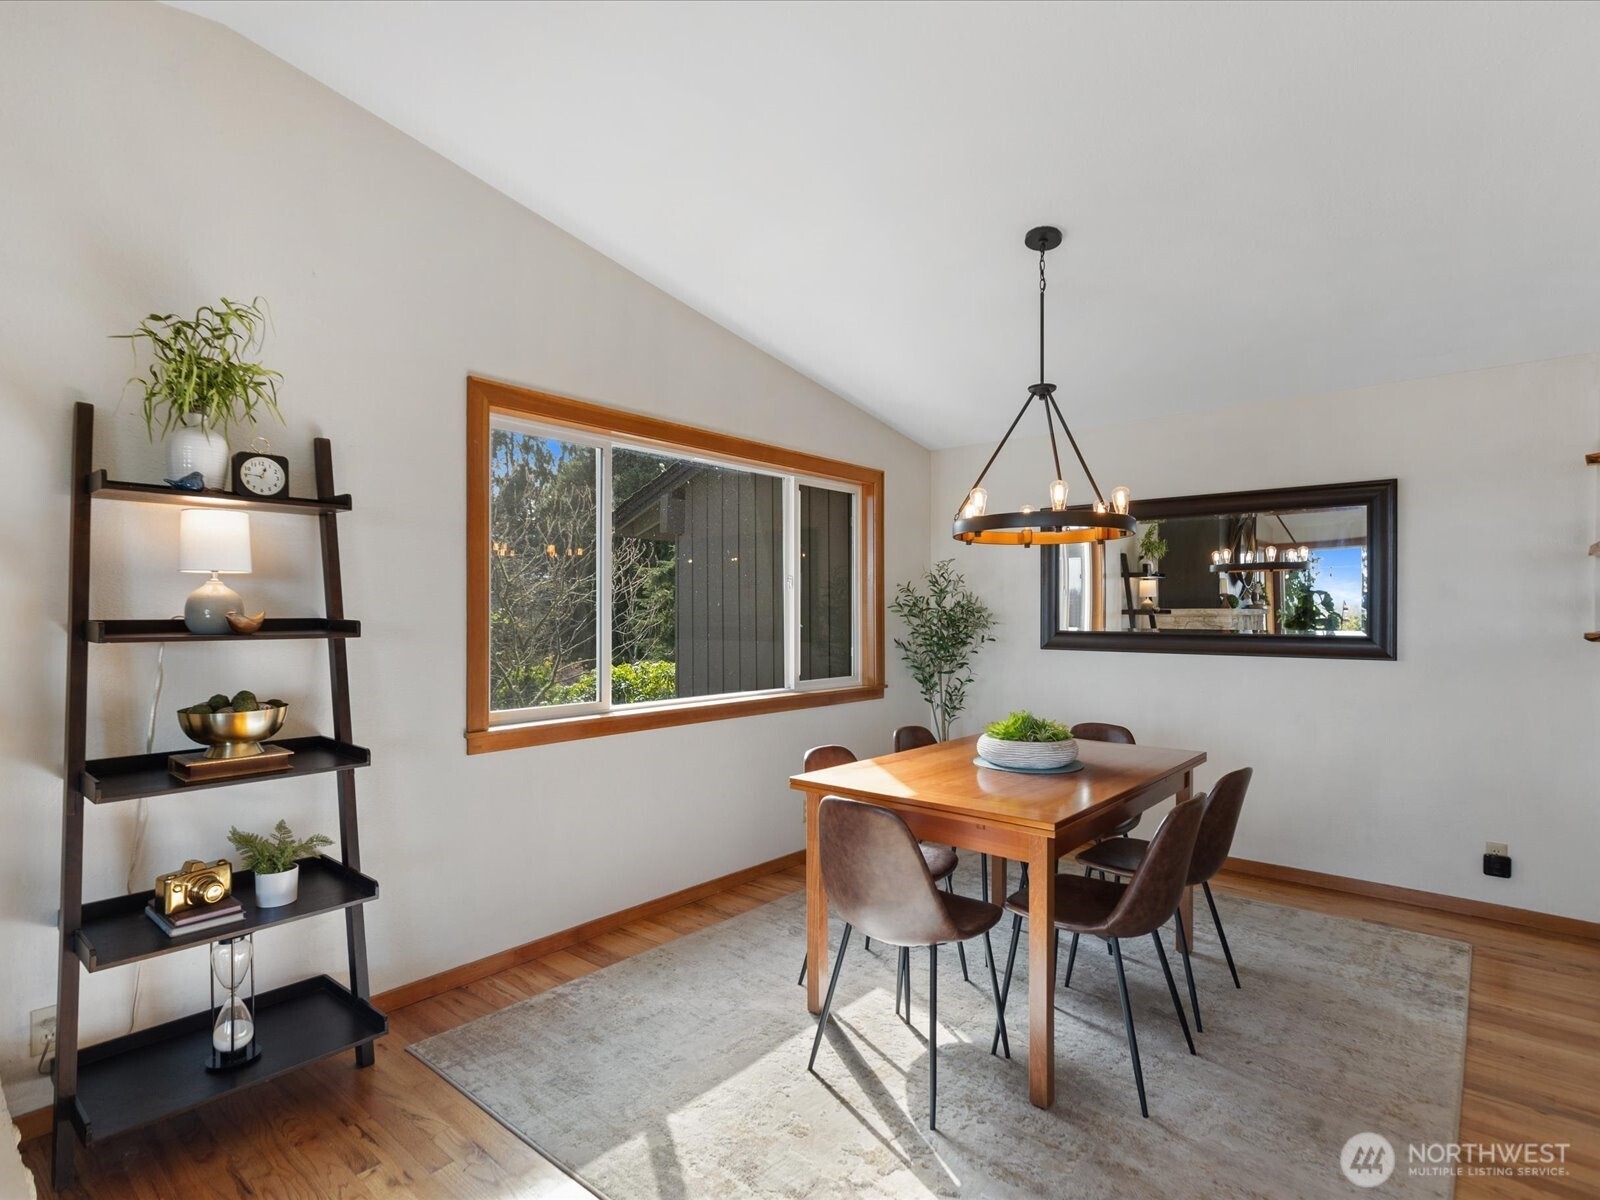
x=1119, y=500
x=1305, y=555
x=1028, y=508
x=977, y=502
x=1216, y=557
x=1100, y=506
x=1058, y=494
x=1272, y=554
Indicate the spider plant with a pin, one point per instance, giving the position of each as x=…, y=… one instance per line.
x=201, y=370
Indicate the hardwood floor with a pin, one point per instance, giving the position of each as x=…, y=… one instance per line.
x=398, y=1130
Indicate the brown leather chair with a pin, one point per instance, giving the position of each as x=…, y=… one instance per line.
x=1123, y=856
x=913, y=737
x=1121, y=735
x=877, y=880
x=1115, y=911
x=942, y=860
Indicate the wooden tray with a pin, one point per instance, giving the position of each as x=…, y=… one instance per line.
x=195, y=767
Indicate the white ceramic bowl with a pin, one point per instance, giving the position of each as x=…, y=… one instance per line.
x=1039, y=756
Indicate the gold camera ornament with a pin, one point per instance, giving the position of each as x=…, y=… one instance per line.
x=195, y=883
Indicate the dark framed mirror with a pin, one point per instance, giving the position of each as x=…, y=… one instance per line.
x=1305, y=572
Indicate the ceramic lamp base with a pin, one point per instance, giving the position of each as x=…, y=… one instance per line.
x=207, y=608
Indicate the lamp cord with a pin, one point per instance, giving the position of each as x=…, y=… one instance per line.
x=141, y=823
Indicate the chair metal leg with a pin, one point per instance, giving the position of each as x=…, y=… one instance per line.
x=933, y=1037
x=999, y=1008
x=905, y=959
x=1221, y=936
x=961, y=950
x=866, y=944
x=833, y=982
x=1072, y=957
x=1011, y=961
x=1188, y=971
x=1127, y=1018
x=1172, y=988
x=805, y=962
x=899, y=980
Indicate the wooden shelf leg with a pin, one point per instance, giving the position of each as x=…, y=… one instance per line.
x=355, y=922
x=70, y=914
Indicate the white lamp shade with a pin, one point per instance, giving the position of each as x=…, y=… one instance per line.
x=214, y=539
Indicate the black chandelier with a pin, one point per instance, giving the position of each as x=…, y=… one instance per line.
x=1103, y=521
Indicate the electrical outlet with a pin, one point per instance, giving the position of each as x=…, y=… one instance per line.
x=1498, y=849
x=41, y=1028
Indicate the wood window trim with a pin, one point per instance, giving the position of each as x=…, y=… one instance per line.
x=485, y=399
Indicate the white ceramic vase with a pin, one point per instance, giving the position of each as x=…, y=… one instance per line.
x=1032, y=756
x=278, y=889
x=193, y=447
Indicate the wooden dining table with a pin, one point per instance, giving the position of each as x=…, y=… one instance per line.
x=948, y=799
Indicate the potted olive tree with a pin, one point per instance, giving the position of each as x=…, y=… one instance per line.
x=201, y=380
x=946, y=625
x=275, y=861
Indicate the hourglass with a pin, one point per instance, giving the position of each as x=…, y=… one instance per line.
x=233, y=1033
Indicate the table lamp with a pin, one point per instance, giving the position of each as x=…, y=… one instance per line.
x=212, y=541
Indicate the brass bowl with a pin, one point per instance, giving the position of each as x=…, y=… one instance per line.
x=231, y=734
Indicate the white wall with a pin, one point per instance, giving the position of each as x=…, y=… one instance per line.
x=1486, y=727
x=153, y=161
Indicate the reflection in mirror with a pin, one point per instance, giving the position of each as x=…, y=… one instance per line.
x=1292, y=571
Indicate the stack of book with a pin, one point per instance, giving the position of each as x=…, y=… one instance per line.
x=192, y=920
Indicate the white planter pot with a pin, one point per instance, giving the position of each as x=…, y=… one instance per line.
x=191, y=447
x=1035, y=755
x=276, y=890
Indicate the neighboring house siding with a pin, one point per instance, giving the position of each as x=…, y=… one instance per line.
x=826, y=620
x=730, y=584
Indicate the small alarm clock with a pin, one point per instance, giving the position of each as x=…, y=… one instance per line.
x=260, y=475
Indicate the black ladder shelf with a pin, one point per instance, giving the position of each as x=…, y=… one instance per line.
x=127, y=1082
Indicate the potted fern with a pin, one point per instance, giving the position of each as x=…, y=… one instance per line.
x=1024, y=742
x=201, y=381
x=945, y=626
x=276, y=861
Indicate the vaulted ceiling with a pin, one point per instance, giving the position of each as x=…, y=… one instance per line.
x=1261, y=200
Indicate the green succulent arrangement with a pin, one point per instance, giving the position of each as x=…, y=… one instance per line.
x=276, y=854
x=1025, y=727
x=240, y=702
x=201, y=367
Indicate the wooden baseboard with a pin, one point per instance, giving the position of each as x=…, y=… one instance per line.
x=1457, y=905
x=33, y=1124
x=433, y=985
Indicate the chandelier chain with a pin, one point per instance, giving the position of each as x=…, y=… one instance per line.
x=1041, y=316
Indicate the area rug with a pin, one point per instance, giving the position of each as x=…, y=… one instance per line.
x=680, y=1073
